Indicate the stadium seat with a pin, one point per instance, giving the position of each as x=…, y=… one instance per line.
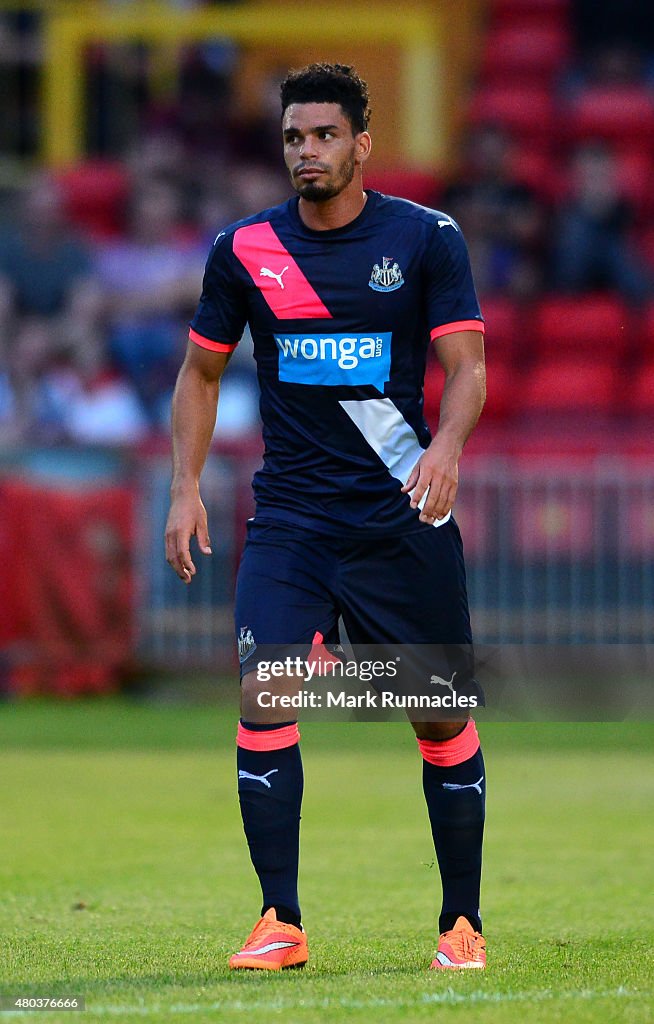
x=635, y=171
x=509, y=10
x=639, y=396
x=644, y=331
x=569, y=386
x=532, y=445
x=535, y=53
x=534, y=165
x=621, y=114
x=502, y=327
x=95, y=193
x=434, y=380
x=421, y=187
x=501, y=388
x=525, y=112
x=591, y=325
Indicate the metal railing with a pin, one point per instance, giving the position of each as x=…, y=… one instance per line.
x=557, y=553
x=560, y=553
x=180, y=625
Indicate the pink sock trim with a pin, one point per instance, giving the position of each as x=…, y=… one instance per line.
x=446, y=753
x=267, y=739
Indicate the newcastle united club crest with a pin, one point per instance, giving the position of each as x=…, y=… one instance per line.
x=387, y=278
x=246, y=643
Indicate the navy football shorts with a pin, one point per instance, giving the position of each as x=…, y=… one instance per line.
x=295, y=582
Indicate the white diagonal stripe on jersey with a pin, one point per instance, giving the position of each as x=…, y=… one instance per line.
x=267, y=949
x=390, y=437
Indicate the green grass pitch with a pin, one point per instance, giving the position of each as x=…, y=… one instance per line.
x=124, y=875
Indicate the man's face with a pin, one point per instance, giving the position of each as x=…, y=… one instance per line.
x=320, y=150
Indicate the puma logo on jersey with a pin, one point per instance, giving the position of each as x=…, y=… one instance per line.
x=264, y=272
x=447, y=222
x=258, y=778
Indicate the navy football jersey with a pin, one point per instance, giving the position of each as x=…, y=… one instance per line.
x=341, y=322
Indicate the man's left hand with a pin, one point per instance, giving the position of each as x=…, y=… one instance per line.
x=436, y=472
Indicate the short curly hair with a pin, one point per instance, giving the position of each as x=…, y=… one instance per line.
x=329, y=83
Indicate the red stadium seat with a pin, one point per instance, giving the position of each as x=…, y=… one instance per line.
x=644, y=329
x=421, y=187
x=592, y=325
x=635, y=171
x=534, y=53
x=535, y=167
x=621, y=114
x=512, y=9
x=501, y=388
x=525, y=112
x=434, y=380
x=569, y=385
x=95, y=193
x=639, y=396
x=502, y=326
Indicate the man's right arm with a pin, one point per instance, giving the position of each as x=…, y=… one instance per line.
x=194, y=418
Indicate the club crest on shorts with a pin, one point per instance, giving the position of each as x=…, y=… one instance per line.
x=387, y=278
x=246, y=643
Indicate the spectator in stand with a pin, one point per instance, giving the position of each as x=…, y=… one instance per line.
x=45, y=269
x=50, y=301
x=9, y=428
x=150, y=283
x=95, y=409
x=605, y=22
x=615, y=66
x=501, y=218
x=254, y=138
x=257, y=188
x=591, y=248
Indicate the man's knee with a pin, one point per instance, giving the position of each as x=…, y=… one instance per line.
x=264, y=703
x=438, y=731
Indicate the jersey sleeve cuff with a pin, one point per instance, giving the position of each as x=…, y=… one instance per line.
x=213, y=346
x=458, y=325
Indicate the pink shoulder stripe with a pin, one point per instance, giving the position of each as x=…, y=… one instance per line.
x=459, y=325
x=276, y=274
x=213, y=346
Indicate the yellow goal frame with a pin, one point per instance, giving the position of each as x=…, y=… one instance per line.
x=69, y=27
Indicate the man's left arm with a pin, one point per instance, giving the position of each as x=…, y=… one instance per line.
x=436, y=473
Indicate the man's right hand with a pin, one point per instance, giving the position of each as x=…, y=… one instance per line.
x=187, y=517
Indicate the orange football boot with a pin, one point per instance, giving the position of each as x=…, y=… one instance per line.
x=460, y=949
x=272, y=946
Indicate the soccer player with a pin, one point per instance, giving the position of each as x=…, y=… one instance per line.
x=343, y=290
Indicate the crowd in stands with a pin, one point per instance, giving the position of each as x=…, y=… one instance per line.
x=100, y=266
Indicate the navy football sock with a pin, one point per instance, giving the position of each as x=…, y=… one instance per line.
x=270, y=783
x=284, y=914
x=456, y=796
